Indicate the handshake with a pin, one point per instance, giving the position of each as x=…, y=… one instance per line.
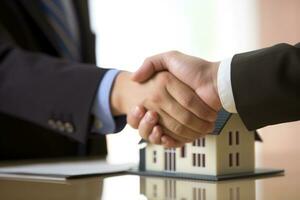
x=172, y=99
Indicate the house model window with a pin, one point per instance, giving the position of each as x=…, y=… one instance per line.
x=228, y=150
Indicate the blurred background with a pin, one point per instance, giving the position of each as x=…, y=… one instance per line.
x=129, y=31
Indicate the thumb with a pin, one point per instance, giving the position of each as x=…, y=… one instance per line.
x=150, y=66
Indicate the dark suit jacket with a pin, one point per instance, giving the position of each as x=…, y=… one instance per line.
x=266, y=85
x=36, y=86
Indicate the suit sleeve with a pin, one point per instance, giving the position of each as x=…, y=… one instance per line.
x=47, y=91
x=266, y=85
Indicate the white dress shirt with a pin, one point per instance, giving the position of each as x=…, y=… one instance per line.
x=225, y=87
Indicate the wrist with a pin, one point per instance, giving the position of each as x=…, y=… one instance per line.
x=207, y=88
x=117, y=98
x=126, y=94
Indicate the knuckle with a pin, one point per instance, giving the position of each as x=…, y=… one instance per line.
x=177, y=129
x=187, y=118
x=172, y=53
x=209, y=114
x=148, y=60
x=164, y=78
x=156, y=97
x=207, y=127
x=188, y=101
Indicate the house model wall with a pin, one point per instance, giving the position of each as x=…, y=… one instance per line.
x=229, y=150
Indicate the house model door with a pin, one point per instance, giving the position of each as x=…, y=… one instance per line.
x=170, y=159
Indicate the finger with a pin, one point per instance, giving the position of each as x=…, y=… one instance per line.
x=159, y=62
x=147, y=124
x=185, y=117
x=181, y=121
x=190, y=101
x=169, y=142
x=178, y=137
x=155, y=136
x=135, y=116
x=150, y=66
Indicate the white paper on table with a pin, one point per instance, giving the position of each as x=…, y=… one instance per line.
x=62, y=169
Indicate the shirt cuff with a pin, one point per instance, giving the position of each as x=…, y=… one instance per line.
x=104, y=120
x=225, y=87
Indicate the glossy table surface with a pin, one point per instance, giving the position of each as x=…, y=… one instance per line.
x=125, y=186
x=279, y=21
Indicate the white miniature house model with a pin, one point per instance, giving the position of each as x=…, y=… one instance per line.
x=228, y=150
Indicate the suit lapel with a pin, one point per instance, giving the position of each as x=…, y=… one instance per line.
x=33, y=9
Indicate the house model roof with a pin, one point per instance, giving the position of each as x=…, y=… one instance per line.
x=221, y=121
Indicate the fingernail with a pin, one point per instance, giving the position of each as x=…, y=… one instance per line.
x=155, y=134
x=149, y=118
x=137, y=112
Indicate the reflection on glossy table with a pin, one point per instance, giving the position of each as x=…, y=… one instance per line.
x=272, y=153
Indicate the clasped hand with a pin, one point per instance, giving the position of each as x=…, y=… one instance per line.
x=172, y=99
